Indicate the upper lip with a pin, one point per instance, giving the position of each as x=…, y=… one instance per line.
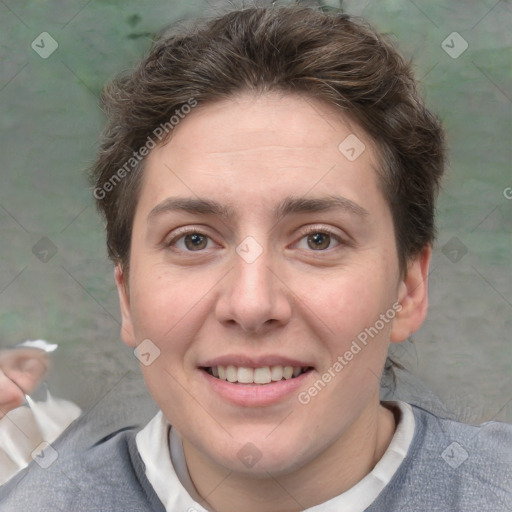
x=239, y=360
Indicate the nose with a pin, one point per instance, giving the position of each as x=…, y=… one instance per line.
x=254, y=296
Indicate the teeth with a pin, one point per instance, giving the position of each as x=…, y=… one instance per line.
x=263, y=375
x=287, y=372
x=231, y=373
x=276, y=373
x=245, y=375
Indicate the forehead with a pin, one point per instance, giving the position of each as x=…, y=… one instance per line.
x=249, y=149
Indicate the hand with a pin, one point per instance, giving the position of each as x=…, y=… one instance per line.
x=21, y=371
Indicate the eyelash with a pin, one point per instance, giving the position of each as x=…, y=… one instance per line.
x=310, y=231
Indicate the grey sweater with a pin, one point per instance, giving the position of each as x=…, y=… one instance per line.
x=450, y=466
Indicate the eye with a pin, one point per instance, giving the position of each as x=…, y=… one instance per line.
x=319, y=240
x=313, y=239
x=190, y=241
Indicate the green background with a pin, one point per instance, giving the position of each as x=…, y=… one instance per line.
x=50, y=123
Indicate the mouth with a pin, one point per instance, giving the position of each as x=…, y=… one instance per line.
x=263, y=375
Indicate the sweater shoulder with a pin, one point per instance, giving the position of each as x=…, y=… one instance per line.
x=108, y=475
x=453, y=466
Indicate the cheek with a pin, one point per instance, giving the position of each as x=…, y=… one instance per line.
x=166, y=306
x=348, y=302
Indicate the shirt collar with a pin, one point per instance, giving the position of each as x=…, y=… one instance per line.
x=161, y=449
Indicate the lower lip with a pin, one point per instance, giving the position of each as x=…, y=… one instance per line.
x=255, y=395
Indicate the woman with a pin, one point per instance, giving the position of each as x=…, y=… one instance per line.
x=268, y=179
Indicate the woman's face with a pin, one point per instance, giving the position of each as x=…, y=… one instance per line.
x=261, y=241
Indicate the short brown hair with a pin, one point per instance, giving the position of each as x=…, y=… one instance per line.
x=297, y=49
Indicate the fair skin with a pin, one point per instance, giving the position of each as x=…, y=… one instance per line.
x=301, y=302
x=21, y=371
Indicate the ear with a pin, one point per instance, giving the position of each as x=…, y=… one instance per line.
x=413, y=297
x=127, y=331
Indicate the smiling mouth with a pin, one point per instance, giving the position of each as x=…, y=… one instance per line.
x=262, y=375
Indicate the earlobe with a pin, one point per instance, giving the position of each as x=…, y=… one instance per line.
x=413, y=297
x=127, y=332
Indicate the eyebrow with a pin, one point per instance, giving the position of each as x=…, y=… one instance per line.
x=288, y=206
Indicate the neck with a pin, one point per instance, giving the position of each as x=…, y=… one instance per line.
x=337, y=469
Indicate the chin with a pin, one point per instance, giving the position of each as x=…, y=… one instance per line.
x=260, y=455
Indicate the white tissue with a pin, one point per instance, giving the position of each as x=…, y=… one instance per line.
x=22, y=431
x=40, y=344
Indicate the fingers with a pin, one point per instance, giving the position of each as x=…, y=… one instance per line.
x=11, y=396
x=26, y=367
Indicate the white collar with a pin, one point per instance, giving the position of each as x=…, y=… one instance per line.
x=166, y=468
